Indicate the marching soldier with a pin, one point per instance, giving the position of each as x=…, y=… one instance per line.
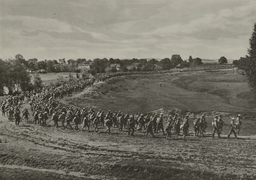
x=238, y=123
x=232, y=128
x=61, y=118
x=215, y=126
x=3, y=109
x=25, y=114
x=17, y=117
x=220, y=123
x=185, y=126
x=55, y=119
x=131, y=125
x=149, y=128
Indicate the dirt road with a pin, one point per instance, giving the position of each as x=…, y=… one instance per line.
x=30, y=151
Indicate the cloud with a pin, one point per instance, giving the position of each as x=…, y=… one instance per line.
x=126, y=29
x=29, y=23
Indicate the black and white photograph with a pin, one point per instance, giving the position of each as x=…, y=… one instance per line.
x=127, y=89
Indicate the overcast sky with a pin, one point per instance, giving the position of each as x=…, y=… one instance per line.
x=54, y=29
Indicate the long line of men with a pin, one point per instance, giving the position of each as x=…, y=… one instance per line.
x=45, y=107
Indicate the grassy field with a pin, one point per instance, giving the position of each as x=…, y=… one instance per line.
x=49, y=78
x=189, y=91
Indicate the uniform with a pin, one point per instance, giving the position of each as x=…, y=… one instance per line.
x=55, y=119
x=232, y=128
x=215, y=126
x=149, y=128
x=131, y=125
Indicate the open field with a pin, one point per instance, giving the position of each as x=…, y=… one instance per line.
x=30, y=151
x=189, y=91
x=49, y=78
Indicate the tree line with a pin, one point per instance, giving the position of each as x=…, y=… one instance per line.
x=116, y=65
x=61, y=65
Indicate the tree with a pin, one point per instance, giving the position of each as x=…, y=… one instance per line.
x=184, y=64
x=41, y=65
x=152, y=61
x=19, y=58
x=123, y=68
x=50, y=66
x=249, y=64
x=196, y=61
x=223, y=60
x=190, y=59
x=81, y=61
x=165, y=63
x=241, y=63
x=175, y=60
x=32, y=64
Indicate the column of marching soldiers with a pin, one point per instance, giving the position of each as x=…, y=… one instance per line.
x=45, y=107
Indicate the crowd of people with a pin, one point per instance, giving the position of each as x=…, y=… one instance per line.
x=45, y=106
